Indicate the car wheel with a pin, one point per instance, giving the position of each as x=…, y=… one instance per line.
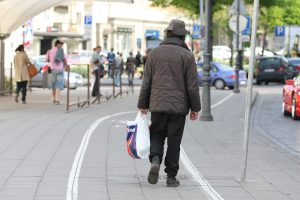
x=220, y=84
x=267, y=83
x=258, y=82
x=231, y=87
x=294, y=115
x=284, y=112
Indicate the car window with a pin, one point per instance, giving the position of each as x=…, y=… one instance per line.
x=200, y=67
x=269, y=62
x=224, y=67
x=294, y=62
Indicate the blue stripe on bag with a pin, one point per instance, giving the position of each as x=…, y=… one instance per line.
x=131, y=141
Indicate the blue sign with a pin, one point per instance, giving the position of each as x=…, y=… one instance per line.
x=247, y=30
x=88, y=20
x=279, y=31
x=196, y=31
x=152, y=34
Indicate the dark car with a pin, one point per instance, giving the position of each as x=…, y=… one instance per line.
x=271, y=69
x=294, y=67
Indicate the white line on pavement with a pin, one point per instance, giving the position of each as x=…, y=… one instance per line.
x=72, y=191
x=222, y=101
x=206, y=187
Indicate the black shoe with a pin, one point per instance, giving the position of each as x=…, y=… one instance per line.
x=24, y=102
x=172, y=182
x=154, y=170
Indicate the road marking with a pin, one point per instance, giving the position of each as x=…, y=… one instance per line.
x=72, y=191
x=204, y=185
x=222, y=101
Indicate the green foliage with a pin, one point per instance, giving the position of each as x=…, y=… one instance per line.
x=80, y=69
x=8, y=84
x=291, y=13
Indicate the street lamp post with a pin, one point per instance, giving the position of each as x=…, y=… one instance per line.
x=206, y=111
x=2, y=53
x=238, y=56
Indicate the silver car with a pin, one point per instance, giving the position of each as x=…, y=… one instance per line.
x=42, y=79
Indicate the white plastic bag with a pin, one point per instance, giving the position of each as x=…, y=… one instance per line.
x=138, y=137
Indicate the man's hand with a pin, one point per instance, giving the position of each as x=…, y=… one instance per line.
x=193, y=115
x=144, y=111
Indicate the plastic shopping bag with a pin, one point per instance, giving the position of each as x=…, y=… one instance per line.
x=138, y=137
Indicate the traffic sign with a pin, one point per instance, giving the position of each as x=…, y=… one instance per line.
x=234, y=8
x=196, y=31
x=247, y=30
x=88, y=20
x=242, y=23
x=279, y=31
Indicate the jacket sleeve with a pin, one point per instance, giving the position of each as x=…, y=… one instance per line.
x=27, y=61
x=192, y=85
x=144, y=98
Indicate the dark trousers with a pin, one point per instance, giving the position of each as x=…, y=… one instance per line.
x=22, y=86
x=167, y=126
x=96, y=84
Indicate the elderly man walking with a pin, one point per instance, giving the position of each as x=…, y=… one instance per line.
x=169, y=91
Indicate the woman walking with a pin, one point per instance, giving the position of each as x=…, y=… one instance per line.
x=58, y=63
x=21, y=62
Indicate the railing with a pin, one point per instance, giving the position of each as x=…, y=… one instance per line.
x=80, y=103
x=10, y=89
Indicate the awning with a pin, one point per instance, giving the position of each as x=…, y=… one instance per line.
x=58, y=34
x=14, y=13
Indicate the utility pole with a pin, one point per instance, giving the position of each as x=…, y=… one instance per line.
x=249, y=92
x=238, y=56
x=206, y=81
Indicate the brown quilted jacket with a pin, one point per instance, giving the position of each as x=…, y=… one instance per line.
x=170, y=82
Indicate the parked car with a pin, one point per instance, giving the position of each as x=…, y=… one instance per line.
x=42, y=78
x=291, y=98
x=222, y=75
x=271, y=69
x=294, y=67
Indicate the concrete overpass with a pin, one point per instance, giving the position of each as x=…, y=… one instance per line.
x=15, y=13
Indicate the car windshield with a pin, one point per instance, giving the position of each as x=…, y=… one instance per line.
x=224, y=67
x=294, y=61
x=269, y=62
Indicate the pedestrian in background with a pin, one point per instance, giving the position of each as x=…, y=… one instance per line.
x=144, y=61
x=98, y=70
x=138, y=59
x=58, y=64
x=170, y=91
x=111, y=60
x=21, y=63
x=130, y=68
x=119, y=65
x=145, y=56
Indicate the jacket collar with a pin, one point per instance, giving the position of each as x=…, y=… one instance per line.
x=175, y=41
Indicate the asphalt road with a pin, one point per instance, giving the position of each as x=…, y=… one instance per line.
x=270, y=122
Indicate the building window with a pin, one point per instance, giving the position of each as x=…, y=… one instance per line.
x=124, y=40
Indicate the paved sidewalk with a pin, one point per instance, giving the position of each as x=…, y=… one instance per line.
x=39, y=141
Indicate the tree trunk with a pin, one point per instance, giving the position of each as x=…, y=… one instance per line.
x=264, y=40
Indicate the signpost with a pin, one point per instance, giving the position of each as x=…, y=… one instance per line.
x=249, y=92
x=88, y=24
x=279, y=39
x=242, y=23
